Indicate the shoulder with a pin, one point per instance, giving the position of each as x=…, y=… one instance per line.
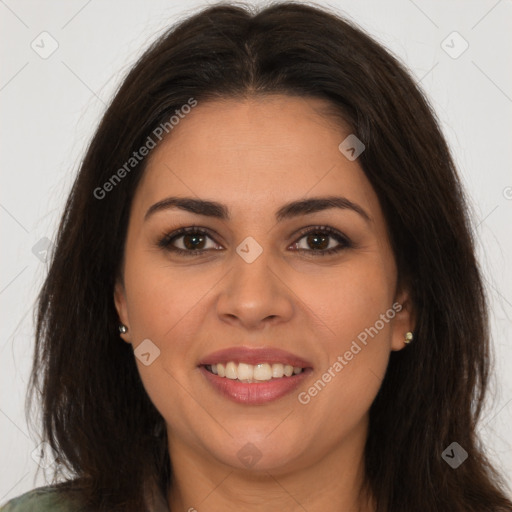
x=43, y=499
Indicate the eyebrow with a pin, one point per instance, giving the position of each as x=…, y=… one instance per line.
x=288, y=211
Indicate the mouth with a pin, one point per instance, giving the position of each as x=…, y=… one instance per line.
x=249, y=373
x=254, y=375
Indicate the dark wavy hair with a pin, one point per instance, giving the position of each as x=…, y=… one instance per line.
x=98, y=419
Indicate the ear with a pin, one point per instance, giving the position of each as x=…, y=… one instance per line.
x=404, y=321
x=122, y=309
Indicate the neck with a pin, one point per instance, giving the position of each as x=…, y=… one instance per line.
x=331, y=482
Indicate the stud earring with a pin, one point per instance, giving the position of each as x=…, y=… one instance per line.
x=409, y=336
x=123, y=329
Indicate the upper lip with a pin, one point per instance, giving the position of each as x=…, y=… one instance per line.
x=254, y=355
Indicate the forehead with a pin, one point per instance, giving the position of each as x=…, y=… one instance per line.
x=253, y=152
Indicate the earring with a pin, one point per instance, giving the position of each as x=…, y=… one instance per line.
x=409, y=336
x=123, y=329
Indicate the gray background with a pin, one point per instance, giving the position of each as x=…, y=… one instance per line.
x=51, y=103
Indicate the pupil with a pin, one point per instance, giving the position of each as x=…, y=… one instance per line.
x=315, y=238
x=193, y=245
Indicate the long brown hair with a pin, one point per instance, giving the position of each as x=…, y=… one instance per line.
x=97, y=416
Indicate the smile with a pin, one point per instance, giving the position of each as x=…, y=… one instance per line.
x=250, y=373
x=254, y=375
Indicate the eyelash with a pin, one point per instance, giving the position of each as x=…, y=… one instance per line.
x=166, y=241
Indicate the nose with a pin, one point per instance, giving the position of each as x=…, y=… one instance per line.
x=255, y=293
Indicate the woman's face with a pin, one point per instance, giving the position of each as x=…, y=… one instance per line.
x=261, y=283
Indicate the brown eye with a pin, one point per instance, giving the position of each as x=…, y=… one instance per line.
x=193, y=241
x=187, y=241
x=321, y=241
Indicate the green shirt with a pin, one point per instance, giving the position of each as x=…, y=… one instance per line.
x=41, y=499
x=51, y=499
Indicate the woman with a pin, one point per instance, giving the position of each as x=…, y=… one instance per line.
x=264, y=293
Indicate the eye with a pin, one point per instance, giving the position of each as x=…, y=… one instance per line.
x=194, y=241
x=318, y=238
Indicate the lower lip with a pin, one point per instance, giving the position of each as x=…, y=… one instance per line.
x=256, y=393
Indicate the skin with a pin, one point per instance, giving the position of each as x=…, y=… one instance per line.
x=255, y=155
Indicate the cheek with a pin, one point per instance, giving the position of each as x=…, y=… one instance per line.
x=162, y=298
x=348, y=382
x=346, y=387
x=355, y=306
x=167, y=306
x=344, y=300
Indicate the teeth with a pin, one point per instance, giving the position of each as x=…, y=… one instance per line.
x=245, y=371
x=262, y=371
x=277, y=370
x=254, y=373
x=231, y=372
